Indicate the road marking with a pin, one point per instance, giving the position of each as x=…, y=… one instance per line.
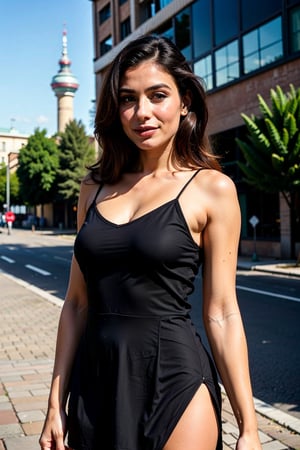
x=270, y=294
x=9, y=260
x=60, y=258
x=38, y=270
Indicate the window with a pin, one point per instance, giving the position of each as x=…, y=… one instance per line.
x=203, y=69
x=262, y=46
x=227, y=63
x=104, y=14
x=256, y=11
x=125, y=28
x=164, y=3
x=157, y=5
x=201, y=29
x=106, y=45
x=166, y=30
x=295, y=30
x=226, y=20
x=182, y=32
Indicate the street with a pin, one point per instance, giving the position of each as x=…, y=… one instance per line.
x=268, y=305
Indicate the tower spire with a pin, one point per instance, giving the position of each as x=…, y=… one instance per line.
x=64, y=85
x=64, y=53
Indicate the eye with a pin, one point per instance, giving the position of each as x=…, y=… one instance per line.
x=158, y=96
x=125, y=99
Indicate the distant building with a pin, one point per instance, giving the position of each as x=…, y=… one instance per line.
x=11, y=141
x=64, y=85
x=239, y=48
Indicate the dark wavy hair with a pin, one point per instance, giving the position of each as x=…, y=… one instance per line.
x=119, y=154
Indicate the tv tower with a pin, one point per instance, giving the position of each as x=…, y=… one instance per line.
x=64, y=85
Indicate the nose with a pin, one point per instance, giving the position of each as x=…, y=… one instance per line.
x=143, y=109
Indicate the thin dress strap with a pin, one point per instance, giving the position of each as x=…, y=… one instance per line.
x=93, y=204
x=187, y=183
x=98, y=190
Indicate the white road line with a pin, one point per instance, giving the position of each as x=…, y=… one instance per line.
x=270, y=294
x=9, y=260
x=60, y=258
x=37, y=269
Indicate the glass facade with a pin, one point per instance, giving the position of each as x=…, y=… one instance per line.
x=223, y=40
x=148, y=8
x=262, y=46
x=106, y=45
x=167, y=30
x=201, y=27
x=125, y=28
x=255, y=11
x=203, y=69
x=227, y=63
x=182, y=32
x=295, y=30
x=178, y=30
x=252, y=40
x=104, y=14
x=226, y=20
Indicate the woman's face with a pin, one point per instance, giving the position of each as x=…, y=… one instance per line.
x=150, y=107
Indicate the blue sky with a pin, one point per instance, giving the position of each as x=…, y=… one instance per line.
x=30, y=48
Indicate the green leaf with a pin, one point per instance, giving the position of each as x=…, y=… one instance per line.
x=290, y=124
x=277, y=162
x=253, y=158
x=255, y=134
x=264, y=107
x=275, y=137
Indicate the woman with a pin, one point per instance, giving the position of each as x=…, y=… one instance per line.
x=150, y=212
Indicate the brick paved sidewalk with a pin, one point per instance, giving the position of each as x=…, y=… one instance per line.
x=27, y=342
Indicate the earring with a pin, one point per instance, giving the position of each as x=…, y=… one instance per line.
x=185, y=111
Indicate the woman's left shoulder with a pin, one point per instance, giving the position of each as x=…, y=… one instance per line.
x=216, y=183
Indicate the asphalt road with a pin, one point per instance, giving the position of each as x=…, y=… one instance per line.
x=270, y=316
x=273, y=334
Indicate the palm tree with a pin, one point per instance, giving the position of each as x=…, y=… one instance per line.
x=272, y=149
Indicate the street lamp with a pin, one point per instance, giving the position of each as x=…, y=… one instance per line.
x=9, y=216
x=8, y=183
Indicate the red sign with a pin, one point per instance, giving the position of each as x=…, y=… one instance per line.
x=10, y=216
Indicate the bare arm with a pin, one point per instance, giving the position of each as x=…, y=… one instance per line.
x=221, y=313
x=71, y=325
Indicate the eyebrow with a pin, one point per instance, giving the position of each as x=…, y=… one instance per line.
x=150, y=88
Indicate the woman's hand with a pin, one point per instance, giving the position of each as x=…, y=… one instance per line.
x=54, y=431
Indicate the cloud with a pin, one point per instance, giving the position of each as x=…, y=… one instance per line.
x=20, y=119
x=42, y=119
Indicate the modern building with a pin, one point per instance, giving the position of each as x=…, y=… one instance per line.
x=64, y=85
x=240, y=48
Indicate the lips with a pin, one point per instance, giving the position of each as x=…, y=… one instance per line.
x=145, y=131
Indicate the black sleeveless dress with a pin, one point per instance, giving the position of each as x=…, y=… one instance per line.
x=140, y=360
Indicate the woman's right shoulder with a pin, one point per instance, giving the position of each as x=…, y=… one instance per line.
x=88, y=191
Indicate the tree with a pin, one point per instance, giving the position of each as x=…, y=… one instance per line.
x=272, y=148
x=14, y=186
x=37, y=171
x=75, y=154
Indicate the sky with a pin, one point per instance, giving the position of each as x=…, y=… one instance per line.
x=30, y=48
